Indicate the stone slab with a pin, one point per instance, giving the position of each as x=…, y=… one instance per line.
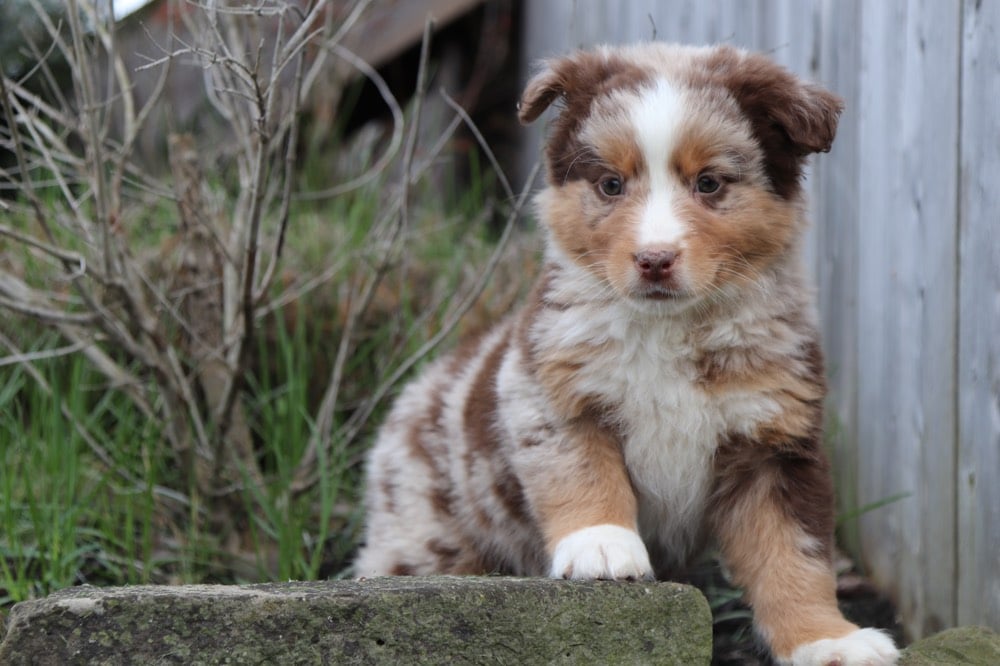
x=488, y=620
x=965, y=646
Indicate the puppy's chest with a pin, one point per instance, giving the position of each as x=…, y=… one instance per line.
x=648, y=381
x=668, y=424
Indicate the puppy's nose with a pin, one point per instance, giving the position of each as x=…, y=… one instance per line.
x=655, y=265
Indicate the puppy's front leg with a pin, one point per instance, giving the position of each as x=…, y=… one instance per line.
x=585, y=505
x=772, y=513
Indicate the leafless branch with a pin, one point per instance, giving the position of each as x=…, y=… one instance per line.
x=353, y=427
x=31, y=357
x=26, y=362
x=321, y=439
x=172, y=327
x=288, y=178
x=398, y=125
x=67, y=257
x=483, y=145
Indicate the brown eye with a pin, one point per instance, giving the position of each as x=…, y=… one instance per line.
x=611, y=186
x=708, y=185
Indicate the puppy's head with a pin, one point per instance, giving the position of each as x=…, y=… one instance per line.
x=674, y=172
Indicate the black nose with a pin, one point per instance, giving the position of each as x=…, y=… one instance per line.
x=655, y=265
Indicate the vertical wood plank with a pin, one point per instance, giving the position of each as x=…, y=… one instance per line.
x=789, y=32
x=906, y=301
x=979, y=338
x=837, y=238
x=547, y=32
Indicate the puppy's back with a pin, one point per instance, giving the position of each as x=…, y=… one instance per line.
x=440, y=495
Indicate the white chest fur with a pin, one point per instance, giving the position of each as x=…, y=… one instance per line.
x=644, y=365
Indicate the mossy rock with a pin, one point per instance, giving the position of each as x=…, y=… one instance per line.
x=382, y=620
x=972, y=646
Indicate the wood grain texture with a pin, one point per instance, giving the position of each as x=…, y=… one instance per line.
x=906, y=271
x=835, y=209
x=978, y=533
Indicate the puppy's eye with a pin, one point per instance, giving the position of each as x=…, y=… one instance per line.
x=708, y=185
x=611, y=186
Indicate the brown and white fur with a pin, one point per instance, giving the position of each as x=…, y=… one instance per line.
x=663, y=386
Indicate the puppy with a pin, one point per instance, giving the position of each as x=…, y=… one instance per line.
x=664, y=385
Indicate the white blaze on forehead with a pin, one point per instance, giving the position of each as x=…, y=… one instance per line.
x=657, y=117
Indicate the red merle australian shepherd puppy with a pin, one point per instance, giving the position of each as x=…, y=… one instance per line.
x=664, y=384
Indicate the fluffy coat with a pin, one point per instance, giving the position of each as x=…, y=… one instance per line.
x=663, y=385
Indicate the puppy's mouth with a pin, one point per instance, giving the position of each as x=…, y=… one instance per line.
x=658, y=292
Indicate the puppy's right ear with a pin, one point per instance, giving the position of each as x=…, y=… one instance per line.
x=575, y=81
x=543, y=89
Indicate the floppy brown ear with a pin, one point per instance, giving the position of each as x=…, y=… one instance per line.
x=543, y=89
x=806, y=113
x=790, y=118
x=811, y=121
x=576, y=80
x=566, y=77
x=573, y=82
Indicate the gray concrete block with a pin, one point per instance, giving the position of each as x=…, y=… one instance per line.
x=490, y=620
x=971, y=646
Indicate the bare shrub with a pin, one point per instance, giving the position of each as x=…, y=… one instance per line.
x=173, y=331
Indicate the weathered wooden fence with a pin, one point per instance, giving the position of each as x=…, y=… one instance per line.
x=906, y=252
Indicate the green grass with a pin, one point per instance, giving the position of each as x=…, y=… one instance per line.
x=301, y=527
x=63, y=519
x=107, y=484
x=68, y=517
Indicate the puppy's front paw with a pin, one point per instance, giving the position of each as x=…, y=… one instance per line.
x=603, y=551
x=864, y=647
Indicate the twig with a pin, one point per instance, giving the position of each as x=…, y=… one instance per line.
x=298, y=291
x=240, y=356
x=286, y=194
x=36, y=205
x=353, y=427
x=243, y=10
x=320, y=439
x=35, y=128
x=137, y=122
x=418, y=106
x=92, y=123
x=318, y=68
x=46, y=315
x=463, y=114
x=394, y=143
x=31, y=357
x=65, y=256
x=350, y=21
x=299, y=38
x=67, y=413
x=118, y=377
x=431, y=155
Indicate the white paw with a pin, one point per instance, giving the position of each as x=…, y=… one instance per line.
x=604, y=551
x=864, y=647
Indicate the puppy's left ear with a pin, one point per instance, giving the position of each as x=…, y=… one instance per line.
x=790, y=118
x=771, y=95
x=812, y=122
x=806, y=113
